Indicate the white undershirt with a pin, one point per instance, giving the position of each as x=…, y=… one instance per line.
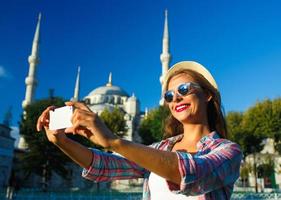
x=159, y=189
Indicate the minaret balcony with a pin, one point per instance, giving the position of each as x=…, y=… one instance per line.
x=165, y=57
x=30, y=81
x=33, y=59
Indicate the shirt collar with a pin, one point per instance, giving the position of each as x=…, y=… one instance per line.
x=207, y=139
x=201, y=143
x=173, y=140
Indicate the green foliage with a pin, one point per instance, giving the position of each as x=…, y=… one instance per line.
x=42, y=157
x=115, y=121
x=267, y=168
x=276, y=123
x=234, y=125
x=238, y=133
x=152, y=127
x=263, y=120
x=258, y=119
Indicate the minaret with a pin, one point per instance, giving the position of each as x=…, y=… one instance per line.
x=77, y=87
x=165, y=55
x=33, y=60
x=109, y=80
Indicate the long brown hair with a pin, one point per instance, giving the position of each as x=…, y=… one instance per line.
x=216, y=120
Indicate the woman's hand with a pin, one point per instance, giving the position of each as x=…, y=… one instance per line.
x=77, y=152
x=56, y=136
x=88, y=124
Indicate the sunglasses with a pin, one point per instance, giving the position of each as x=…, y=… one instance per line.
x=182, y=90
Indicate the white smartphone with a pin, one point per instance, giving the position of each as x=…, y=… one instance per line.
x=60, y=118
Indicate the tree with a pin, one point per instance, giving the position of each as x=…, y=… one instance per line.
x=276, y=123
x=152, y=126
x=239, y=132
x=234, y=125
x=264, y=120
x=41, y=157
x=115, y=121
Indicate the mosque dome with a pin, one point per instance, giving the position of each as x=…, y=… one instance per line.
x=108, y=94
x=108, y=90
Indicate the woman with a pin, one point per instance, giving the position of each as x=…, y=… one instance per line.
x=194, y=162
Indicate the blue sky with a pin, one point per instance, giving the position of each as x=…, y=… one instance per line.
x=238, y=41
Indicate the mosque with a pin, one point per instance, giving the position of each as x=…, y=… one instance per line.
x=103, y=97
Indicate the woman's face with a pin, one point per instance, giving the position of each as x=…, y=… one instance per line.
x=190, y=108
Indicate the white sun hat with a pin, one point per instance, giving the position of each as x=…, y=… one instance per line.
x=189, y=65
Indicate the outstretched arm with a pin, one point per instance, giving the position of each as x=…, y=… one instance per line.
x=98, y=166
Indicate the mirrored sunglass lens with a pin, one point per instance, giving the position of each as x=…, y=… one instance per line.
x=183, y=89
x=169, y=96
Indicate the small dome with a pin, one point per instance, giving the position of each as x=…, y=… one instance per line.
x=132, y=98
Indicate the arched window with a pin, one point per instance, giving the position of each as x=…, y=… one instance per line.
x=87, y=101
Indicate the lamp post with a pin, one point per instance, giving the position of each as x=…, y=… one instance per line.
x=255, y=168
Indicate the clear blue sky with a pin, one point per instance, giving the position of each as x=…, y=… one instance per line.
x=238, y=41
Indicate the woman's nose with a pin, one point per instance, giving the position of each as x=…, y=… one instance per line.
x=177, y=97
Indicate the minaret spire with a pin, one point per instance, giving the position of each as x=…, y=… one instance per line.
x=33, y=60
x=109, y=80
x=77, y=87
x=35, y=45
x=165, y=55
x=166, y=32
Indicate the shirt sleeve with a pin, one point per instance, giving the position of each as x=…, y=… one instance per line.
x=201, y=174
x=108, y=167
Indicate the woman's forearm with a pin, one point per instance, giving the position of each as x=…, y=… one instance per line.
x=163, y=163
x=77, y=152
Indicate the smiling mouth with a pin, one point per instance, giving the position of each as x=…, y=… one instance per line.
x=182, y=107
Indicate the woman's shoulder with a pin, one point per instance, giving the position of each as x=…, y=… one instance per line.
x=216, y=141
x=227, y=147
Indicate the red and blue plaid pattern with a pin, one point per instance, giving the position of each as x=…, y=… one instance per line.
x=210, y=173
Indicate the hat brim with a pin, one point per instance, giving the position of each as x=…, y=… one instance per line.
x=189, y=65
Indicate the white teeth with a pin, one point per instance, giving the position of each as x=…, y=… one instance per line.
x=181, y=107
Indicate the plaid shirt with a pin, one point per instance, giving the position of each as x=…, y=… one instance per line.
x=208, y=174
